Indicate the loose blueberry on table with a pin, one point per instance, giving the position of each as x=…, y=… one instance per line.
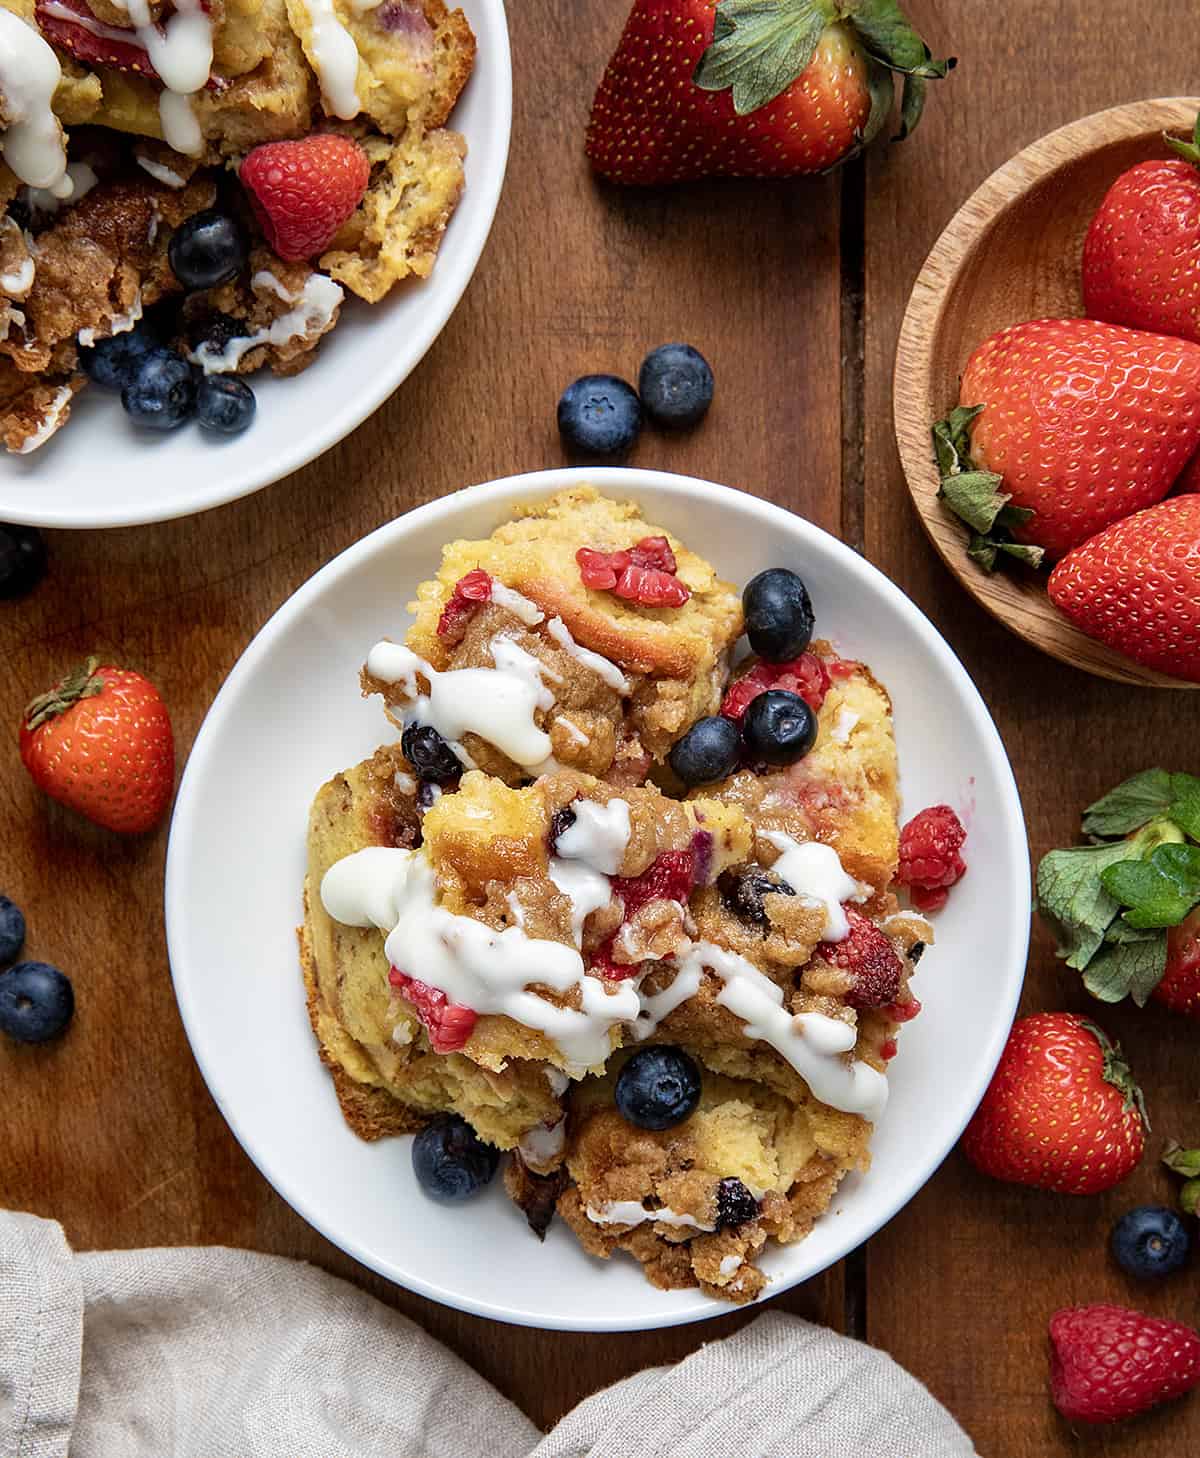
x=451, y=1162
x=600, y=415
x=22, y=559
x=658, y=1088
x=676, y=385
x=37, y=1002
x=1150, y=1242
x=12, y=930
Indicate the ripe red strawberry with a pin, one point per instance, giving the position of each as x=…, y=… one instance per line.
x=1141, y=256
x=1179, y=988
x=94, y=44
x=1189, y=478
x=1133, y=586
x=702, y=88
x=100, y=742
x=643, y=573
x=302, y=192
x=1083, y=422
x=1062, y=1112
x=1109, y=1363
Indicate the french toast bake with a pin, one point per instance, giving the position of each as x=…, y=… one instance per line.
x=123, y=122
x=671, y=993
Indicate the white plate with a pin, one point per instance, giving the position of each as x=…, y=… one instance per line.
x=101, y=472
x=290, y=715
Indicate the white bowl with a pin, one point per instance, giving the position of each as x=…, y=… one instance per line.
x=101, y=472
x=290, y=715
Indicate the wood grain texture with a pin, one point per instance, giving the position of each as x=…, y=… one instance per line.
x=961, y=1284
x=114, y=1133
x=1009, y=254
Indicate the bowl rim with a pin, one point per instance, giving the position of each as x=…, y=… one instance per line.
x=362, y=397
x=1007, y=597
x=505, y=490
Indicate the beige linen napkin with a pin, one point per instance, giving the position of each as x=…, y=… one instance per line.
x=212, y=1353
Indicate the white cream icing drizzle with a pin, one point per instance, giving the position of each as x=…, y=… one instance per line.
x=598, y=836
x=55, y=414
x=632, y=1212
x=517, y=604
x=335, y=59
x=314, y=308
x=600, y=665
x=814, y=871
x=33, y=144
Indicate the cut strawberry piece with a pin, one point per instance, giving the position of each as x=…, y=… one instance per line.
x=71, y=26
x=644, y=573
x=806, y=676
x=449, y=1024
x=303, y=191
x=669, y=878
x=470, y=593
x=872, y=960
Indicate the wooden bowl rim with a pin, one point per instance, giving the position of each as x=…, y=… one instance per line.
x=912, y=391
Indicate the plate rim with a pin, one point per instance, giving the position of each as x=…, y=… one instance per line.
x=504, y=489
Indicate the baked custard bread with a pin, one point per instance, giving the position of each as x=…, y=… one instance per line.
x=121, y=120
x=672, y=994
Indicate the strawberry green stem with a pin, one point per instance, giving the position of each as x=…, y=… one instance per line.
x=80, y=683
x=1118, y=1072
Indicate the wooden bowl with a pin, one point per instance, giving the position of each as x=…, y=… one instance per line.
x=1011, y=253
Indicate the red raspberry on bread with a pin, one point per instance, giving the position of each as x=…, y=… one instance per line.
x=303, y=191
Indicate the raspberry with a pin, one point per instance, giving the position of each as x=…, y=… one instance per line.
x=644, y=573
x=888, y=1049
x=868, y=954
x=806, y=676
x=302, y=192
x=470, y=592
x=670, y=878
x=449, y=1024
x=929, y=856
x=903, y=1012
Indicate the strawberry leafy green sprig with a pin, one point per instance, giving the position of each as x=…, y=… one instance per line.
x=975, y=497
x=1185, y=1162
x=1116, y=904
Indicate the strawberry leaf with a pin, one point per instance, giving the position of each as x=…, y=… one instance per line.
x=1180, y=1161
x=1189, y=1198
x=975, y=496
x=912, y=106
x=1160, y=890
x=1134, y=803
x=759, y=47
x=1073, y=899
x=888, y=36
x=1184, y=809
x=1189, y=151
x=1130, y=964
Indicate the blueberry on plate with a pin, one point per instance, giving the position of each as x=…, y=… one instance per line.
x=1150, y=1241
x=600, y=415
x=450, y=1160
x=12, y=930
x=114, y=362
x=22, y=559
x=779, y=615
x=224, y=404
x=658, y=1088
x=735, y=1204
x=676, y=385
x=744, y=890
x=36, y=1002
x=778, y=727
x=429, y=754
x=208, y=249
x=162, y=395
x=708, y=751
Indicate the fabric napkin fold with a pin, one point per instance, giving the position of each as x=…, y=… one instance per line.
x=214, y=1353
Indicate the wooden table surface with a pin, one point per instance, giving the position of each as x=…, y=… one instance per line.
x=795, y=293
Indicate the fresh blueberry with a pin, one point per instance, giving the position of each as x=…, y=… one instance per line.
x=429, y=754
x=114, y=362
x=22, y=559
x=676, y=385
x=658, y=1088
x=1150, y=1241
x=451, y=1161
x=600, y=415
x=779, y=727
x=208, y=249
x=224, y=404
x=744, y=888
x=779, y=615
x=735, y=1204
x=12, y=931
x=162, y=395
x=708, y=751
x=36, y=1002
